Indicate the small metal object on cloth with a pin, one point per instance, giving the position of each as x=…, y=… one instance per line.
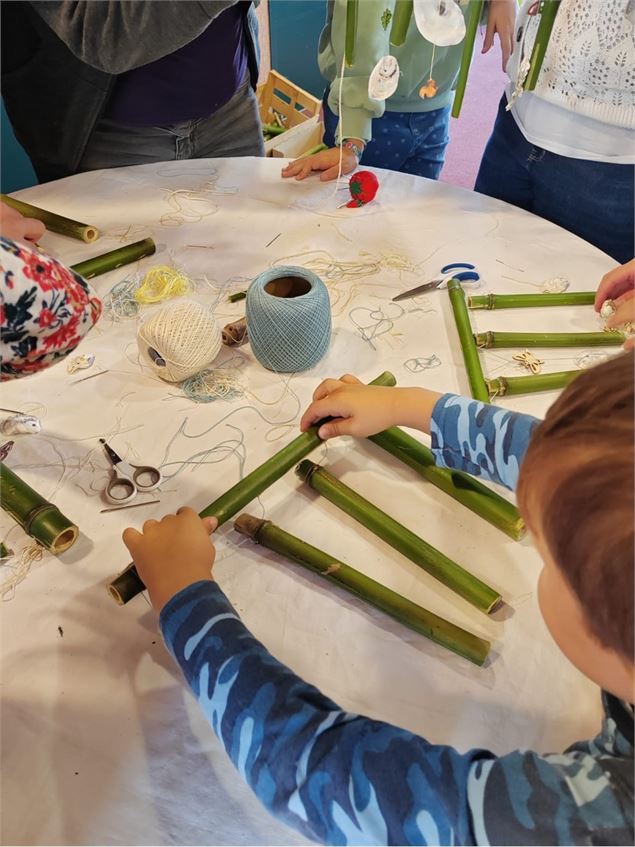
x=129, y=480
x=449, y=272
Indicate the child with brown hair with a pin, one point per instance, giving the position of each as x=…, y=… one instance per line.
x=342, y=778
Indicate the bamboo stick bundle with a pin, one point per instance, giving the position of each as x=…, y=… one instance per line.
x=549, y=339
x=475, y=12
x=352, y=10
x=273, y=129
x=38, y=518
x=415, y=617
x=522, y=301
x=399, y=537
x=400, y=22
x=548, y=12
x=506, y=386
x=115, y=258
x=468, y=345
x=464, y=488
x=53, y=222
x=128, y=584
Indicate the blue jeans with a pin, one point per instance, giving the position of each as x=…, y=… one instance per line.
x=591, y=199
x=410, y=142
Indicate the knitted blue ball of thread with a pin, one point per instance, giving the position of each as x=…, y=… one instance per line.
x=288, y=319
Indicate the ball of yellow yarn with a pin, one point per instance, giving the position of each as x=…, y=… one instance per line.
x=162, y=282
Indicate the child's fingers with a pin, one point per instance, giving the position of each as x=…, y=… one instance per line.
x=489, y=37
x=33, y=229
x=149, y=524
x=629, y=344
x=131, y=538
x=293, y=168
x=341, y=426
x=210, y=524
x=625, y=313
x=328, y=386
x=350, y=379
x=615, y=283
x=304, y=171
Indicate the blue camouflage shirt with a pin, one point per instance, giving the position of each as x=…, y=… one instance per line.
x=342, y=778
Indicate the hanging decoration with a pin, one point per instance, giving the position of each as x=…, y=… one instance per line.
x=384, y=78
x=363, y=186
x=440, y=22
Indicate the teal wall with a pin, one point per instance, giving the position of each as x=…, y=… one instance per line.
x=15, y=168
x=295, y=28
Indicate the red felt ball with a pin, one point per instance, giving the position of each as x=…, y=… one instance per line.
x=363, y=186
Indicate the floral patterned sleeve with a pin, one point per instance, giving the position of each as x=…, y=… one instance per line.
x=45, y=310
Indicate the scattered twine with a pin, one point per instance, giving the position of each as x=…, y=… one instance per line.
x=213, y=384
x=422, y=363
x=19, y=570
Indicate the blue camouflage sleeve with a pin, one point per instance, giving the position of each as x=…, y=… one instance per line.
x=481, y=439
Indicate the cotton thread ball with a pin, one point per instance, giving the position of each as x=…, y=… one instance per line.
x=288, y=319
x=179, y=340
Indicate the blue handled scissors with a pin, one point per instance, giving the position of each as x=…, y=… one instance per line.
x=129, y=480
x=463, y=271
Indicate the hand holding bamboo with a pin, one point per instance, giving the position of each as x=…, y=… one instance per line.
x=468, y=345
x=53, y=222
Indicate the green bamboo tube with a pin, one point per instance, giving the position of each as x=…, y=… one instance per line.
x=56, y=223
x=474, y=14
x=38, y=518
x=128, y=584
x=115, y=259
x=415, y=617
x=468, y=346
x=400, y=22
x=549, y=339
x=352, y=9
x=399, y=537
x=273, y=129
x=505, y=386
x=548, y=12
x=313, y=150
x=464, y=488
x=238, y=295
x=522, y=301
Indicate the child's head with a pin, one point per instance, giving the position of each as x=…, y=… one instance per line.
x=576, y=493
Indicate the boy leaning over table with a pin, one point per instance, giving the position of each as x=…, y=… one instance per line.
x=342, y=778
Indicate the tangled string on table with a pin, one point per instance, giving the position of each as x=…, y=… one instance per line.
x=422, y=363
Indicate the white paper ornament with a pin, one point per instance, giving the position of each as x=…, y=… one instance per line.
x=20, y=424
x=440, y=22
x=384, y=79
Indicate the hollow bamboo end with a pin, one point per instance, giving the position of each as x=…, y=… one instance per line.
x=91, y=234
x=250, y=526
x=65, y=540
x=115, y=595
x=306, y=469
x=495, y=605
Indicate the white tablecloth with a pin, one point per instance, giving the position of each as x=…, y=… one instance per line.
x=101, y=742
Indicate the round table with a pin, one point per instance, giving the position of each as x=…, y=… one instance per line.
x=102, y=743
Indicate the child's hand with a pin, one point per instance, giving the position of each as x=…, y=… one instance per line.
x=172, y=553
x=326, y=161
x=15, y=226
x=618, y=285
x=501, y=19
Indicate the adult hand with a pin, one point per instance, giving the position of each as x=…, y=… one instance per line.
x=618, y=285
x=327, y=161
x=501, y=19
x=15, y=226
x=172, y=553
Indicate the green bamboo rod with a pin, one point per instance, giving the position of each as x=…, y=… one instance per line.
x=38, y=518
x=415, y=617
x=238, y=295
x=313, y=150
x=53, y=222
x=522, y=301
x=548, y=12
x=506, y=386
x=399, y=537
x=115, y=259
x=549, y=339
x=475, y=12
x=352, y=10
x=462, y=487
x=468, y=346
x=400, y=22
x=273, y=129
x=128, y=583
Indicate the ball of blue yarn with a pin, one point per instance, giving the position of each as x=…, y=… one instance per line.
x=288, y=319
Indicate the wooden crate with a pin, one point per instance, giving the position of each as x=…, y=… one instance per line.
x=298, y=111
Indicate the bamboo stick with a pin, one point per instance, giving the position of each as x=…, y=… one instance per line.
x=313, y=150
x=549, y=339
x=468, y=346
x=38, y=518
x=273, y=129
x=399, y=537
x=400, y=22
x=504, y=386
x=352, y=10
x=521, y=301
x=548, y=12
x=53, y=222
x=128, y=584
x=415, y=617
x=464, y=488
x=115, y=258
x=475, y=12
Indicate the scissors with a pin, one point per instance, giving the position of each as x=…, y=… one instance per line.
x=448, y=271
x=129, y=480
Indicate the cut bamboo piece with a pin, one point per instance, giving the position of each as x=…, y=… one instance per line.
x=53, y=222
x=504, y=386
x=399, y=537
x=415, y=617
x=549, y=339
x=128, y=584
x=464, y=488
x=400, y=22
x=468, y=346
x=352, y=9
x=523, y=301
x=115, y=259
x=38, y=518
x=273, y=129
x=474, y=14
x=548, y=12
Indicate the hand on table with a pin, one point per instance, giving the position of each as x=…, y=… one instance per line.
x=501, y=19
x=326, y=161
x=15, y=226
x=618, y=285
x=172, y=553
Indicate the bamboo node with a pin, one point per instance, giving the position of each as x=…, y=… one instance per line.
x=306, y=469
x=250, y=526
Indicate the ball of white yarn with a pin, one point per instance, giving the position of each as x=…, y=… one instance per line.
x=179, y=340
